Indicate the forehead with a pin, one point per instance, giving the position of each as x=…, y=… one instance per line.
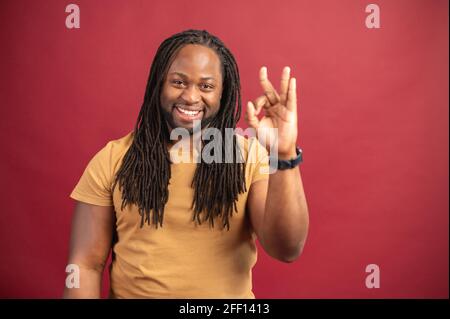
x=196, y=60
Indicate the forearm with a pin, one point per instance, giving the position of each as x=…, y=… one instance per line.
x=286, y=220
x=90, y=245
x=90, y=285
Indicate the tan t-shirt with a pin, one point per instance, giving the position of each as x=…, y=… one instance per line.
x=181, y=259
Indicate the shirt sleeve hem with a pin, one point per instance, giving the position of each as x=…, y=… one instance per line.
x=91, y=199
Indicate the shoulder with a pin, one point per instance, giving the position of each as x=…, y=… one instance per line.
x=111, y=155
x=251, y=149
x=120, y=146
x=256, y=158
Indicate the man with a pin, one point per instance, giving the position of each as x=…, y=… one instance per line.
x=188, y=230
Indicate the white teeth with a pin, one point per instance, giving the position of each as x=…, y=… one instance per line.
x=190, y=113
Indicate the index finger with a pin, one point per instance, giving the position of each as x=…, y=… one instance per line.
x=268, y=88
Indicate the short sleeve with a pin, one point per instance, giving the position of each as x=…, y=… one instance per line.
x=94, y=186
x=260, y=157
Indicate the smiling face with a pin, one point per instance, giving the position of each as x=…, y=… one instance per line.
x=192, y=88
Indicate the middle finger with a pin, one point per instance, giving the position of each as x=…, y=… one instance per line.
x=268, y=88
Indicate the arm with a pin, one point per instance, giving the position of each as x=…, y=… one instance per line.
x=90, y=243
x=279, y=214
x=278, y=209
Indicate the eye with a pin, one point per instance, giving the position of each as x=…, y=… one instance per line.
x=206, y=86
x=178, y=82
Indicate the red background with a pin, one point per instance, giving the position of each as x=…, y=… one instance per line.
x=373, y=124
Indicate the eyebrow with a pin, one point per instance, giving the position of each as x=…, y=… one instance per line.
x=185, y=76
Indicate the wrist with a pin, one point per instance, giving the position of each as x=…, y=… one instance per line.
x=288, y=155
x=285, y=160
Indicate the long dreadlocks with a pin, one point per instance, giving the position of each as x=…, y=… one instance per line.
x=145, y=172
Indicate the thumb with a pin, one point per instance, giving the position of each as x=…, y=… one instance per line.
x=251, y=117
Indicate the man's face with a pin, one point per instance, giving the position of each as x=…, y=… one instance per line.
x=192, y=88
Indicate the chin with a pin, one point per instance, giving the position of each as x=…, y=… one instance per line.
x=187, y=126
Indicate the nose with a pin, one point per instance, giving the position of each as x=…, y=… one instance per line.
x=191, y=95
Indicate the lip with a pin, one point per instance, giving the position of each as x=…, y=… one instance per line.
x=187, y=118
x=187, y=108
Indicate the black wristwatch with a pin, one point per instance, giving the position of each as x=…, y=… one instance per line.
x=288, y=164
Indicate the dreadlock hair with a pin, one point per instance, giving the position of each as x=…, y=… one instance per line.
x=145, y=171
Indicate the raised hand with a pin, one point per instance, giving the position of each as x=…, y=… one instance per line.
x=280, y=111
